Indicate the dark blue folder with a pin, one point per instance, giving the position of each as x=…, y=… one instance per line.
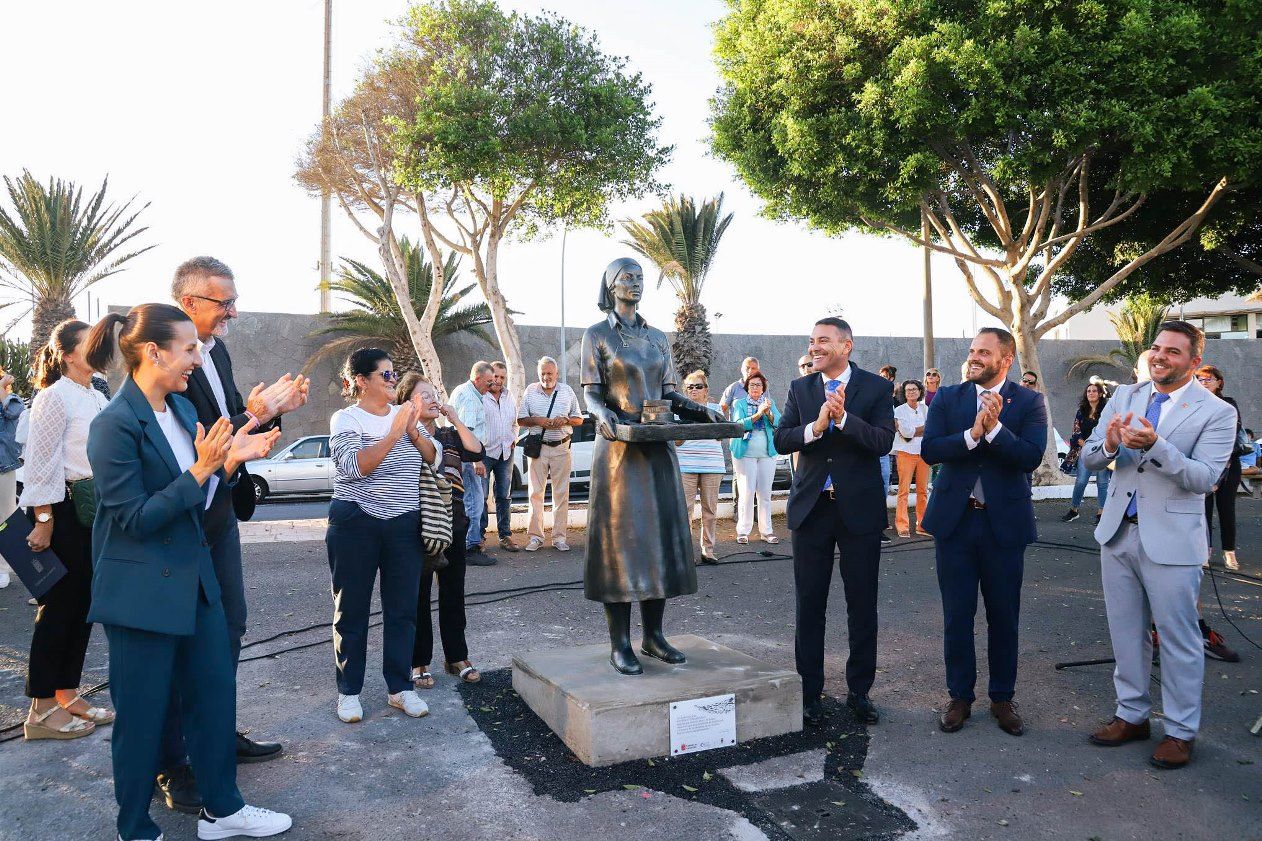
x=39, y=571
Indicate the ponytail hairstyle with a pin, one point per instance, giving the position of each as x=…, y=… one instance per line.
x=142, y=324
x=50, y=361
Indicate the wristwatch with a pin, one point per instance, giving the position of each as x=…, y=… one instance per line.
x=46, y=517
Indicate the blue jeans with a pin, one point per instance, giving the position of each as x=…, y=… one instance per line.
x=1080, y=484
x=500, y=473
x=885, y=473
x=474, y=503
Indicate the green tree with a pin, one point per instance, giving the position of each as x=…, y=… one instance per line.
x=1019, y=128
x=1136, y=324
x=54, y=245
x=15, y=359
x=682, y=237
x=522, y=122
x=375, y=318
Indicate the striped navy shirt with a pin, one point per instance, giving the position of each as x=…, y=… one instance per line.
x=393, y=489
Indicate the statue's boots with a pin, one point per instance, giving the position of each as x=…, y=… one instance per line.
x=655, y=644
x=621, y=654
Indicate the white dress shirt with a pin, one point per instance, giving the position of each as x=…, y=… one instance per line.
x=57, y=442
x=971, y=442
x=501, y=421
x=216, y=384
x=808, y=434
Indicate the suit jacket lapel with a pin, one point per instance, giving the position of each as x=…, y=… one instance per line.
x=1184, y=409
x=816, y=387
x=149, y=421
x=199, y=381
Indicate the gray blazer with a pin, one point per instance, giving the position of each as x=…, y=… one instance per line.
x=1195, y=439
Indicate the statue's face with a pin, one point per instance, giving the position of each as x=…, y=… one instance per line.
x=628, y=286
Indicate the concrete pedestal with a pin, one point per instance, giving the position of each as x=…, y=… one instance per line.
x=606, y=717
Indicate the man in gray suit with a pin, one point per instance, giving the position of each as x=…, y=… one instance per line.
x=1170, y=439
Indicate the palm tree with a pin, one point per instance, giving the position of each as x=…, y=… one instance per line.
x=15, y=359
x=682, y=238
x=1136, y=325
x=56, y=244
x=375, y=317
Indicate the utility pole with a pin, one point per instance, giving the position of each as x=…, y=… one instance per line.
x=326, y=247
x=928, y=305
x=564, y=231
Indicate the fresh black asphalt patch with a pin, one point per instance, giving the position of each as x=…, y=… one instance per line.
x=842, y=805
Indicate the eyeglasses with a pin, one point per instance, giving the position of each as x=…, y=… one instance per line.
x=695, y=386
x=389, y=376
x=805, y=366
x=1028, y=382
x=225, y=303
x=1208, y=378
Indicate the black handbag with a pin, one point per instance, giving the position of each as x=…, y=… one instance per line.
x=82, y=493
x=532, y=444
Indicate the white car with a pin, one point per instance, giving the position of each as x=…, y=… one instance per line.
x=304, y=467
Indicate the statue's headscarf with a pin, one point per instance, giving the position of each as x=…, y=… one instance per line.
x=611, y=274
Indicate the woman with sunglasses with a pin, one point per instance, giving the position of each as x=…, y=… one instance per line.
x=702, y=467
x=754, y=458
x=1224, y=494
x=374, y=526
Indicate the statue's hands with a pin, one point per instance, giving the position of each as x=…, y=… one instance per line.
x=605, y=420
x=714, y=416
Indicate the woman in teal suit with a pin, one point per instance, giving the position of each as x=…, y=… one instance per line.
x=153, y=587
x=754, y=458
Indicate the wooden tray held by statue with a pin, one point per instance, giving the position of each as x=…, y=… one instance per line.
x=639, y=433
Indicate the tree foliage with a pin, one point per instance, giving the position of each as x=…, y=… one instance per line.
x=15, y=359
x=1136, y=324
x=1019, y=128
x=681, y=238
x=375, y=318
x=54, y=244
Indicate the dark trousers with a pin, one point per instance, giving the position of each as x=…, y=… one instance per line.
x=225, y=554
x=500, y=479
x=1225, y=498
x=813, y=545
x=60, y=639
x=451, y=617
x=143, y=668
x=359, y=546
x=969, y=558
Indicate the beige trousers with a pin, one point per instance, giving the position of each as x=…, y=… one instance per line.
x=554, y=464
x=708, y=486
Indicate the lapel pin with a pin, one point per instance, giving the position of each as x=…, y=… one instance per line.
x=1184, y=406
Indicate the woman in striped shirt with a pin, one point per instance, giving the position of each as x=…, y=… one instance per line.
x=702, y=466
x=374, y=525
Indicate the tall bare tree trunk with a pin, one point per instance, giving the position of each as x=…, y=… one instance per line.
x=505, y=328
x=48, y=313
x=1047, y=473
x=422, y=339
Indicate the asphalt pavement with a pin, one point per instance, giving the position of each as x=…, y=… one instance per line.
x=442, y=777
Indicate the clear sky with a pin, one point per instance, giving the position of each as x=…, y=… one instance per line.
x=200, y=109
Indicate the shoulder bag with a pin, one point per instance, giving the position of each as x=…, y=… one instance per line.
x=532, y=444
x=82, y=495
x=436, y=528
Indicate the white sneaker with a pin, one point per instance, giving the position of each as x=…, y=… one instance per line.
x=4, y=580
x=409, y=702
x=349, y=708
x=534, y=545
x=250, y=821
x=560, y=545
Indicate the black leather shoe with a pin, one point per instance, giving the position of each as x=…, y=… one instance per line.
x=813, y=712
x=179, y=790
x=863, y=708
x=249, y=750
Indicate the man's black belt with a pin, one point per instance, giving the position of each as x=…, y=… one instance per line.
x=564, y=442
x=976, y=505
x=1133, y=519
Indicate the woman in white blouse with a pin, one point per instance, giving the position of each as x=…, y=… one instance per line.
x=56, y=456
x=909, y=420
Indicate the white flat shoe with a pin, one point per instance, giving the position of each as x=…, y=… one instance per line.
x=1229, y=559
x=770, y=538
x=409, y=702
x=743, y=541
x=349, y=708
x=4, y=580
x=249, y=821
x=560, y=546
x=97, y=715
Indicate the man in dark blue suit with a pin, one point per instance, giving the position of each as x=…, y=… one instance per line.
x=840, y=420
x=989, y=435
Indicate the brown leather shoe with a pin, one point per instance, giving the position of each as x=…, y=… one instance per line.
x=957, y=712
x=1119, y=732
x=507, y=544
x=1172, y=753
x=1009, y=719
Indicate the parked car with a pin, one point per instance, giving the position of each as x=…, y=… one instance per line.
x=304, y=467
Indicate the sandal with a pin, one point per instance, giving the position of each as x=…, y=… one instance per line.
x=97, y=715
x=421, y=679
x=467, y=673
x=76, y=728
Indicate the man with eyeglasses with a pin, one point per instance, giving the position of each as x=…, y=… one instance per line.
x=204, y=288
x=805, y=366
x=1030, y=380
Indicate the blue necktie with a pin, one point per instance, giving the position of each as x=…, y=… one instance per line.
x=1153, y=415
x=829, y=388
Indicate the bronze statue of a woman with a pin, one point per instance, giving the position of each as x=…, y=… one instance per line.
x=639, y=545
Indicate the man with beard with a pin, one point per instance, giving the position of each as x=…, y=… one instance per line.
x=1170, y=440
x=989, y=435
x=840, y=420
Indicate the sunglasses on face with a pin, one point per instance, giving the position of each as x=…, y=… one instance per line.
x=695, y=386
x=388, y=376
x=1028, y=382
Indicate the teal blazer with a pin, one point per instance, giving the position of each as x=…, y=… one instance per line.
x=743, y=414
x=150, y=555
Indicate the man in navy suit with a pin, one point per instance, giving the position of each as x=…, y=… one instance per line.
x=989, y=435
x=840, y=420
